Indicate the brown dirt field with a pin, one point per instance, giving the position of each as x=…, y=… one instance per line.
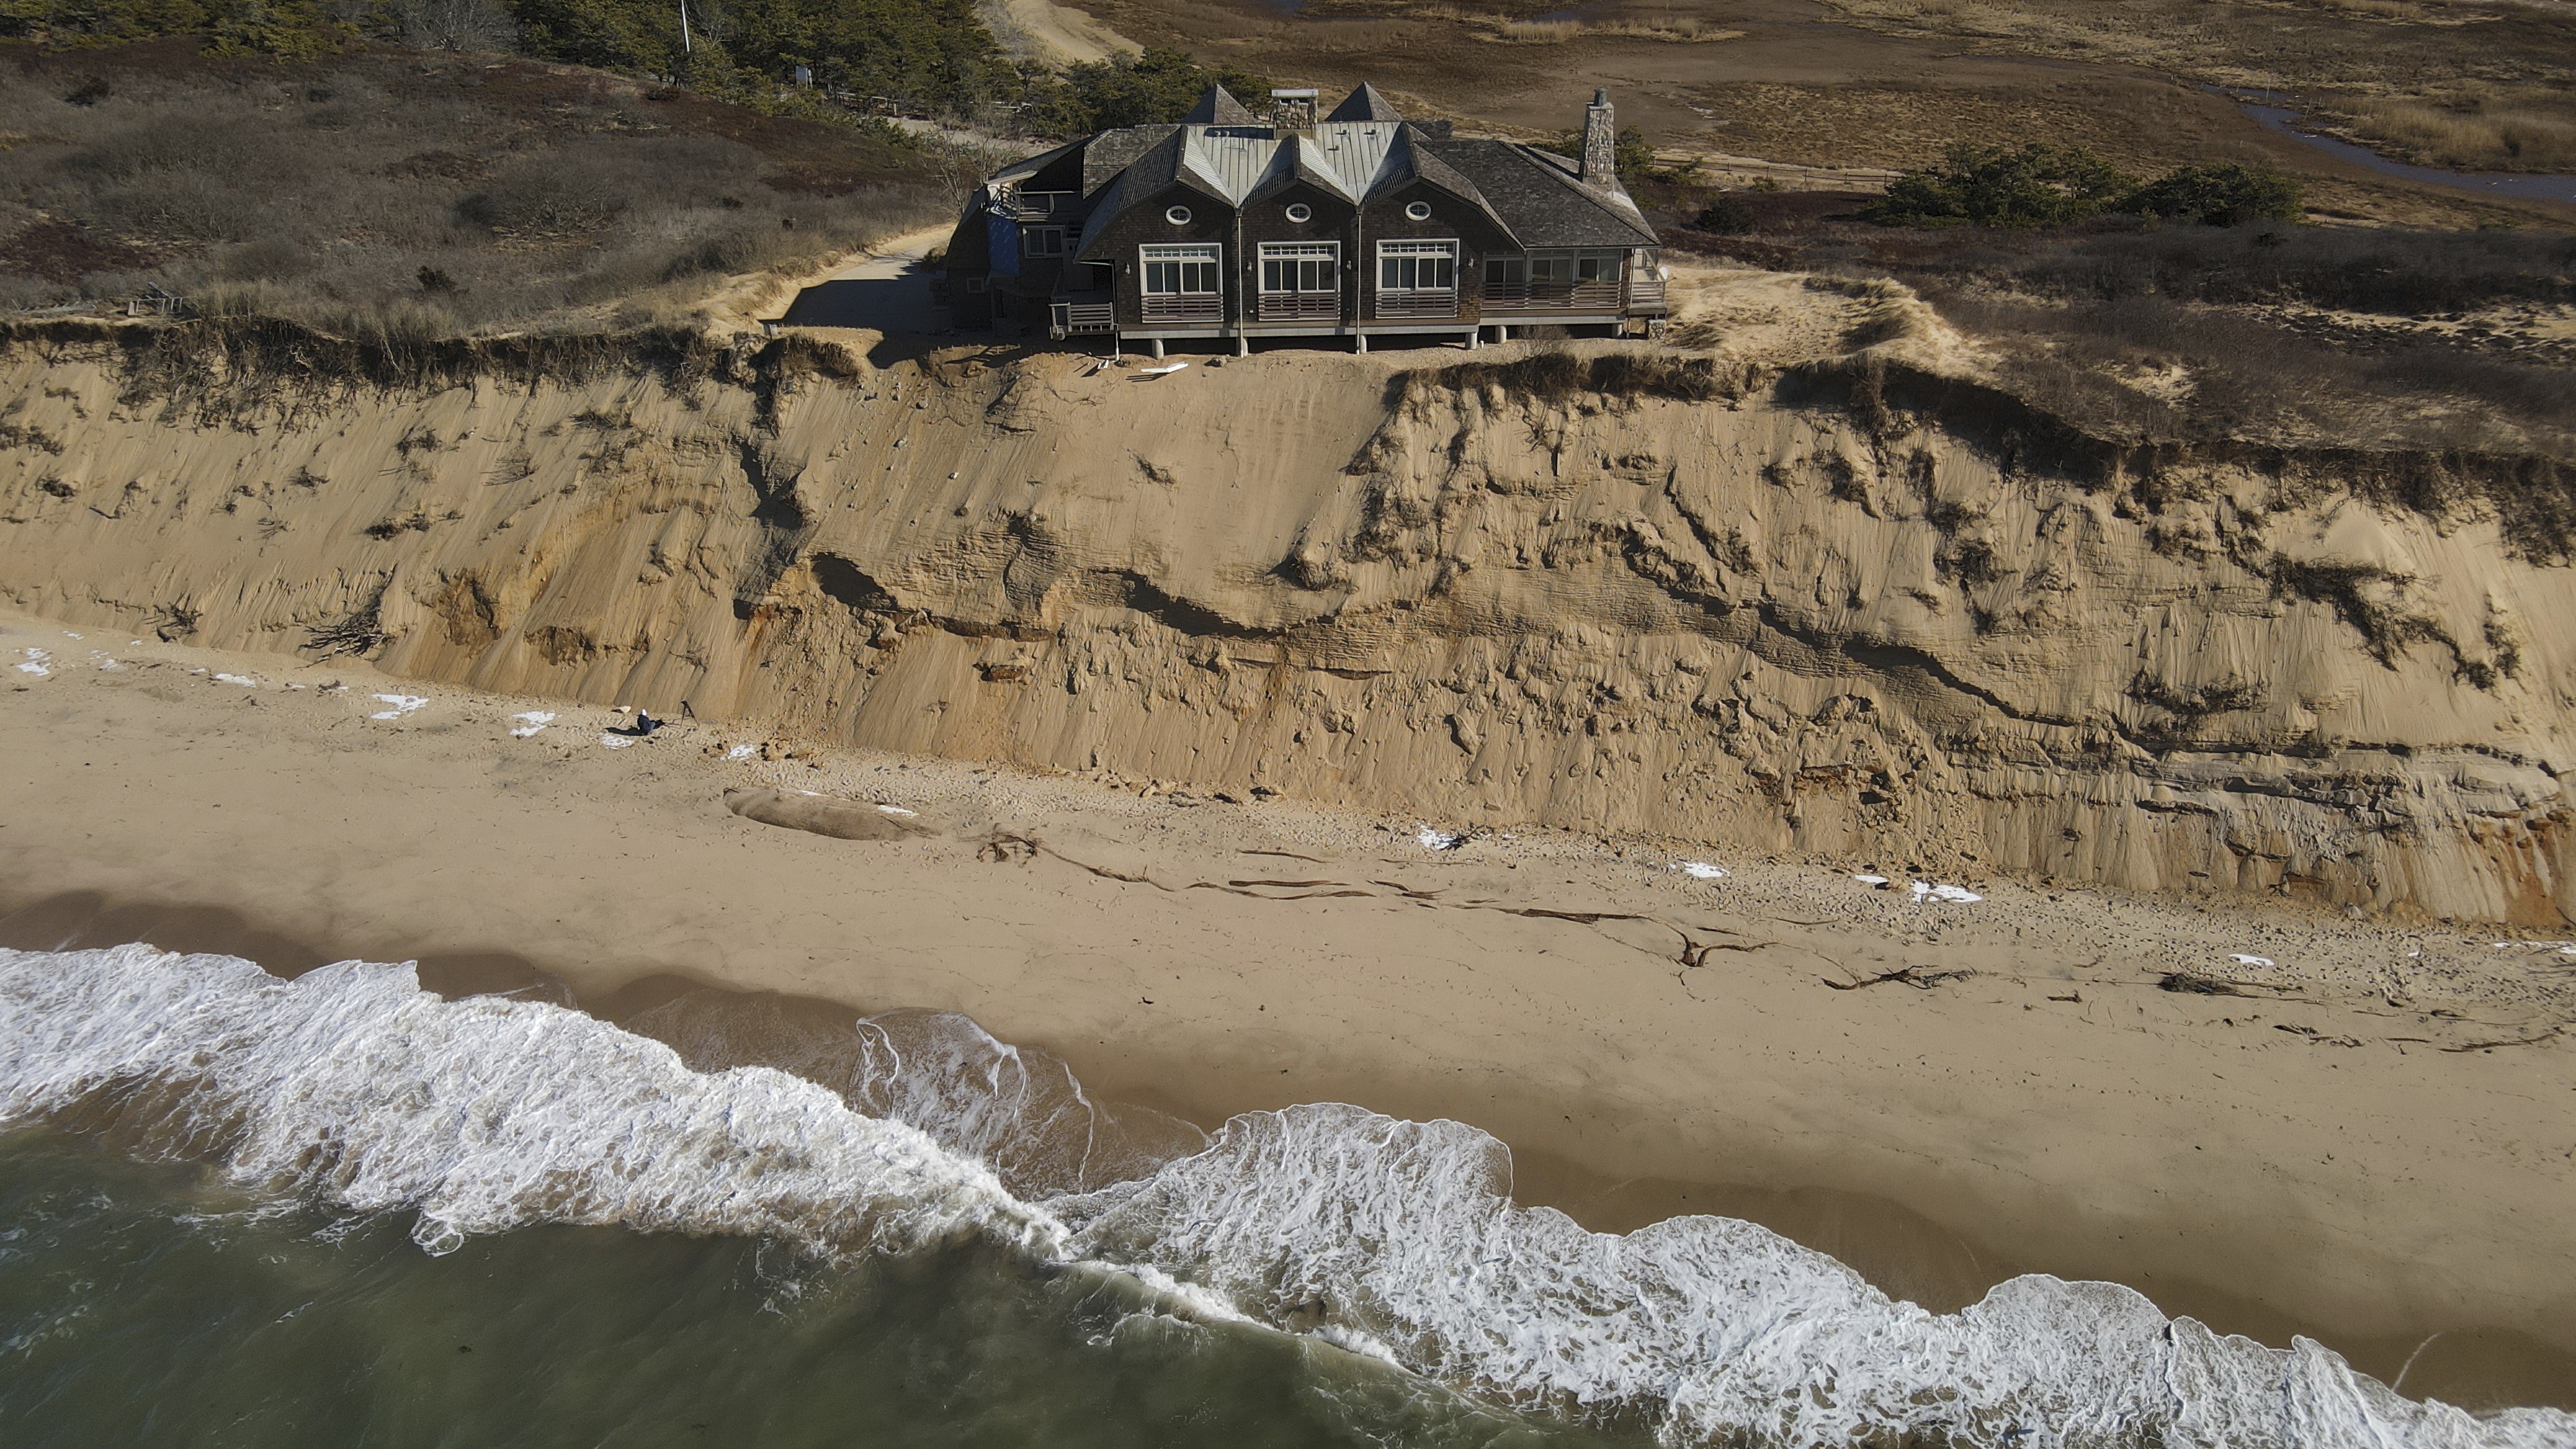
x=1799, y=84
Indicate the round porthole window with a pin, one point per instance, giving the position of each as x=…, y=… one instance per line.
x=1418, y=210
x=1300, y=211
x=1178, y=216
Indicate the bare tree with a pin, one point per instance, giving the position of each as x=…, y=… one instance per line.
x=470, y=26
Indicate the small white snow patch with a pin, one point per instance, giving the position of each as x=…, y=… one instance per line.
x=243, y=680
x=38, y=663
x=615, y=742
x=742, y=752
x=402, y=704
x=1871, y=880
x=2241, y=959
x=530, y=722
x=1700, y=870
x=1433, y=838
x=1927, y=891
x=105, y=662
x=894, y=810
x=68, y=634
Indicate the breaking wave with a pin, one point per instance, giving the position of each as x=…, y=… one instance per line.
x=353, y=1085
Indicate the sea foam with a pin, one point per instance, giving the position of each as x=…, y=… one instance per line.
x=353, y=1085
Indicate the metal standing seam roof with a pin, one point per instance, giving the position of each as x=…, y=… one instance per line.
x=1532, y=197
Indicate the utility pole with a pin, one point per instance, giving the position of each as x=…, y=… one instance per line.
x=685, y=47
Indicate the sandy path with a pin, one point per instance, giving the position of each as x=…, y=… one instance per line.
x=1056, y=34
x=2308, y=1144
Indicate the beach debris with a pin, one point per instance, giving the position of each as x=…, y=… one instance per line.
x=1165, y=370
x=2190, y=984
x=244, y=680
x=1871, y=880
x=2242, y=959
x=531, y=721
x=1927, y=891
x=1921, y=978
x=742, y=752
x=399, y=705
x=38, y=663
x=1431, y=837
x=1699, y=870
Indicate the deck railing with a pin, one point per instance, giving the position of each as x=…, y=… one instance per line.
x=1076, y=319
x=1184, y=307
x=1600, y=296
x=1301, y=307
x=1646, y=293
x=1417, y=304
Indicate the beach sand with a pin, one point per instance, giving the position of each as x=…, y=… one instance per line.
x=2362, y=1132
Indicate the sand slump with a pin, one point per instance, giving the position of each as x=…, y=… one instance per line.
x=1778, y=602
x=352, y=1085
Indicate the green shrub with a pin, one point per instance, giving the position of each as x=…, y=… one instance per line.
x=1724, y=216
x=1130, y=90
x=2227, y=194
x=2035, y=185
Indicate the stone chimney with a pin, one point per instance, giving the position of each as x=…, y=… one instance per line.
x=1600, y=143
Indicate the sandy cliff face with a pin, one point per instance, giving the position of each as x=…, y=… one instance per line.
x=1848, y=608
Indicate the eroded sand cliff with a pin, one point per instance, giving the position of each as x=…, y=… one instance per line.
x=1850, y=603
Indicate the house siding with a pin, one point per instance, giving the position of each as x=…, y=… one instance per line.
x=1143, y=225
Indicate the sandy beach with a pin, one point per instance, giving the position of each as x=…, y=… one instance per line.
x=2280, y=1120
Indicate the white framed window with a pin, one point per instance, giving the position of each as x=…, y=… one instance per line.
x=1300, y=212
x=1417, y=266
x=1570, y=267
x=1042, y=241
x=1417, y=210
x=1301, y=266
x=1177, y=215
x=1180, y=271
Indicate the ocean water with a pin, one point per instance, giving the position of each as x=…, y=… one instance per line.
x=342, y=1209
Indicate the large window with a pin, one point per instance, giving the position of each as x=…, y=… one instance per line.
x=1417, y=266
x=1561, y=281
x=1042, y=241
x=1300, y=266
x=1301, y=279
x=1180, y=271
x=1182, y=283
x=1417, y=279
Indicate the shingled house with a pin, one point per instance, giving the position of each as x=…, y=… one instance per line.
x=1361, y=225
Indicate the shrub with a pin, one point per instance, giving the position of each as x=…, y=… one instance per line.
x=2227, y=194
x=1131, y=90
x=1725, y=216
x=2032, y=186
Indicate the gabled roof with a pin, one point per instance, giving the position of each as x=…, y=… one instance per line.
x=1218, y=108
x=1547, y=204
x=1531, y=198
x=1412, y=159
x=1368, y=103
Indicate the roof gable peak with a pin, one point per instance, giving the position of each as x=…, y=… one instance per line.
x=1368, y=103
x=1217, y=107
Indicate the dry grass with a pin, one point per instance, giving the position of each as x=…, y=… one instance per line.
x=2470, y=131
x=1504, y=29
x=1554, y=32
x=2481, y=86
x=397, y=197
